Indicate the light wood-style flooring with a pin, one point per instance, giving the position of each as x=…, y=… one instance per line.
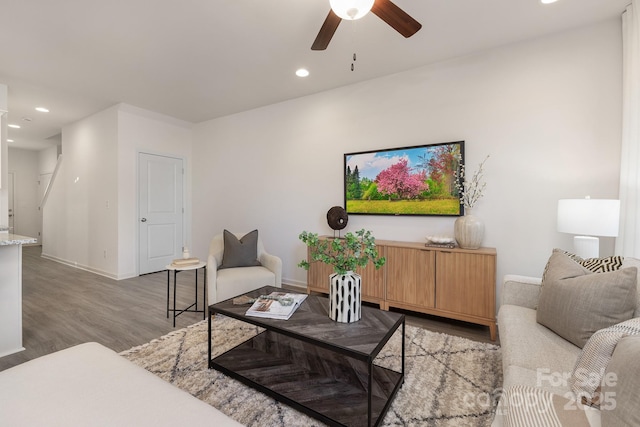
x=64, y=306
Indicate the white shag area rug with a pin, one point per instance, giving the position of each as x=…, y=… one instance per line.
x=449, y=381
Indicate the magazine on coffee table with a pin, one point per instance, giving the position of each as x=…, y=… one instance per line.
x=276, y=305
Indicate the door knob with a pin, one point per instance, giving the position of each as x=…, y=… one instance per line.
x=144, y=220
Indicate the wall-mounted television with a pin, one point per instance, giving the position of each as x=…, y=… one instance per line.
x=418, y=180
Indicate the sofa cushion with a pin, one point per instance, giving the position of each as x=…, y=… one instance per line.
x=576, y=303
x=542, y=357
x=539, y=378
x=620, y=397
x=90, y=384
x=241, y=252
x=591, y=365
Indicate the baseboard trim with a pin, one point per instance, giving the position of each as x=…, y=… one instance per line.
x=80, y=266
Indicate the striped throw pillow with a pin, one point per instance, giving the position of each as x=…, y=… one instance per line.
x=524, y=406
x=595, y=265
x=588, y=373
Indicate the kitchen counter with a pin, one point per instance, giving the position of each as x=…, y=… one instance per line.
x=7, y=239
x=11, y=291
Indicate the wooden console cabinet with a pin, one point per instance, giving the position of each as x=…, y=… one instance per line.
x=454, y=283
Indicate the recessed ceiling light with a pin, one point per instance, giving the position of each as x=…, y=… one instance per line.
x=548, y=1
x=42, y=109
x=14, y=126
x=302, y=72
x=10, y=140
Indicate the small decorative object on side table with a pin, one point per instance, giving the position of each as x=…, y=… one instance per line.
x=177, y=266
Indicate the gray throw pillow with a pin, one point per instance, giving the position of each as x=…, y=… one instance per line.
x=575, y=303
x=241, y=252
x=620, y=397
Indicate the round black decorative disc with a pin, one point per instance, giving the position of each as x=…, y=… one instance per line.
x=337, y=218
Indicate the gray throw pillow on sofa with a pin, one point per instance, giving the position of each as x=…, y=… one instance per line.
x=575, y=303
x=620, y=397
x=241, y=252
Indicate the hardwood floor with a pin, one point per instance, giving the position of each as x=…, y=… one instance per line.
x=64, y=306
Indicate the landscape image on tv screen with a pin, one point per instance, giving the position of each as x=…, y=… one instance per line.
x=418, y=180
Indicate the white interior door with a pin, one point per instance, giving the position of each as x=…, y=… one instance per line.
x=161, y=211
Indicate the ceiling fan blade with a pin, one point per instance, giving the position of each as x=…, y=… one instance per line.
x=396, y=17
x=326, y=32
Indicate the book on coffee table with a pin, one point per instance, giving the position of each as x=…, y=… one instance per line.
x=276, y=305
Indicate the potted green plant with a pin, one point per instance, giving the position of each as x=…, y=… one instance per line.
x=344, y=255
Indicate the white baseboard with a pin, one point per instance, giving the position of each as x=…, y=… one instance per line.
x=80, y=266
x=295, y=283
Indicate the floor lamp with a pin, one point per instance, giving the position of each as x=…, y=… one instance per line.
x=588, y=218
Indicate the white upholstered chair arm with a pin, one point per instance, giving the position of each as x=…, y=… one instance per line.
x=212, y=272
x=521, y=290
x=274, y=264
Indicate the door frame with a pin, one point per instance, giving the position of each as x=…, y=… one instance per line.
x=186, y=200
x=11, y=201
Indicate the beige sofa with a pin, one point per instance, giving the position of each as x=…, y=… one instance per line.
x=91, y=385
x=533, y=355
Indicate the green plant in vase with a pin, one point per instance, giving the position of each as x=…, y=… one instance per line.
x=343, y=254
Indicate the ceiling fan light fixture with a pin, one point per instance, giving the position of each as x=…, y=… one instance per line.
x=351, y=9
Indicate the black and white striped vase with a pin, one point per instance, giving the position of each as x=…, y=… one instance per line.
x=345, y=297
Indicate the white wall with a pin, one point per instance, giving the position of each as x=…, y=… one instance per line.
x=47, y=159
x=80, y=219
x=143, y=131
x=24, y=166
x=548, y=112
x=91, y=218
x=4, y=195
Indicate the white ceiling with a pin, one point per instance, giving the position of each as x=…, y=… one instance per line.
x=200, y=59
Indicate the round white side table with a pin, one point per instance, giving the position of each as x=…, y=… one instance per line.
x=193, y=308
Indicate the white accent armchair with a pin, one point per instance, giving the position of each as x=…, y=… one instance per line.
x=230, y=282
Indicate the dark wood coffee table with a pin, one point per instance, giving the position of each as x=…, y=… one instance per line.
x=320, y=367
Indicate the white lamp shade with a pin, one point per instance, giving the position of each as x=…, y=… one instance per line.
x=589, y=217
x=351, y=9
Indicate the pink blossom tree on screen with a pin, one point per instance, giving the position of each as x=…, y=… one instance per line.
x=397, y=179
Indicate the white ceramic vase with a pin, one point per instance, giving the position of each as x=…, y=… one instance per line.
x=345, y=297
x=469, y=231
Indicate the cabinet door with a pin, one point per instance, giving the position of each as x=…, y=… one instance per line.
x=465, y=283
x=372, y=279
x=318, y=276
x=410, y=276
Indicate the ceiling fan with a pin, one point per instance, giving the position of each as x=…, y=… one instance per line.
x=397, y=18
